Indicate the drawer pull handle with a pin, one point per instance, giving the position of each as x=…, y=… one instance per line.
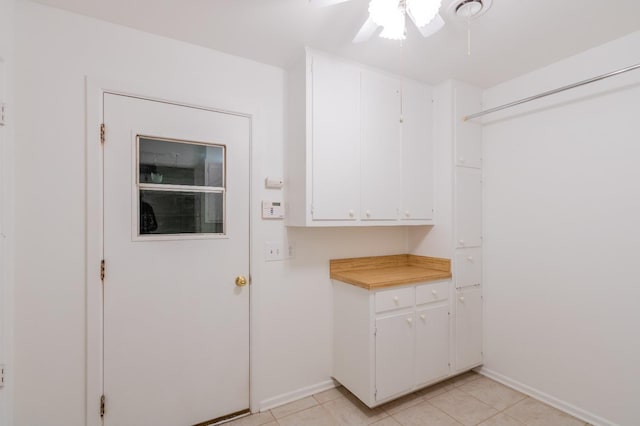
x=396, y=299
x=434, y=292
x=409, y=321
x=368, y=213
x=423, y=317
x=470, y=258
x=461, y=298
x=461, y=242
x=351, y=213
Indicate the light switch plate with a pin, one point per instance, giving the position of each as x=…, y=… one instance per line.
x=274, y=250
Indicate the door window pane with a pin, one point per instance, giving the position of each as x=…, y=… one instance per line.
x=169, y=162
x=181, y=187
x=180, y=212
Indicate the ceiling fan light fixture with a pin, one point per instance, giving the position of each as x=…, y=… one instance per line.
x=382, y=12
x=391, y=15
x=423, y=11
x=394, y=28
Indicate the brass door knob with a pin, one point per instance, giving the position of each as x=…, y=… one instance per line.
x=241, y=281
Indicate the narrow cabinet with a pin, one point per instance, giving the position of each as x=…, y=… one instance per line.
x=417, y=150
x=467, y=227
x=468, y=267
x=381, y=146
x=468, y=328
x=336, y=139
x=468, y=134
x=468, y=207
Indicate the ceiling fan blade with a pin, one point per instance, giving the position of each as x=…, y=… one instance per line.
x=432, y=27
x=324, y=3
x=366, y=31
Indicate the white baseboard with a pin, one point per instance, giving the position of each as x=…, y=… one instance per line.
x=276, y=401
x=546, y=398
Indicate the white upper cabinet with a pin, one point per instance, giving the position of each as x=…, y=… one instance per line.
x=468, y=134
x=381, y=147
x=417, y=152
x=350, y=160
x=336, y=140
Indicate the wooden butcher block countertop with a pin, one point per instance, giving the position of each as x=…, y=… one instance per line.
x=372, y=273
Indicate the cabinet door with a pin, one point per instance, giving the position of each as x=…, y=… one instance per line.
x=468, y=327
x=432, y=343
x=394, y=354
x=380, y=149
x=468, y=134
x=335, y=139
x=468, y=207
x=417, y=152
x=468, y=267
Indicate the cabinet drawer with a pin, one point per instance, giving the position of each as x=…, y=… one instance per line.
x=394, y=299
x=435, y=292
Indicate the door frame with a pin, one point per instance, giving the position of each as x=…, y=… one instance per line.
x=96, y=88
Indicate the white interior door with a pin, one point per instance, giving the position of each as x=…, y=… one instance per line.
x=176, y=236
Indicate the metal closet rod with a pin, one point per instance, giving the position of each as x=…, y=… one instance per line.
x=551, y=92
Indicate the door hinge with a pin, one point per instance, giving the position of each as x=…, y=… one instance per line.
x=102, y=399
x=102, y=132
x=375, y=331
x=102, y=268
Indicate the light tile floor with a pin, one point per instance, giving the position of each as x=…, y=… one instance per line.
x=468, y=399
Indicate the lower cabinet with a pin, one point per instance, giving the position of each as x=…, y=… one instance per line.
x=395, y=354
x=468, y=327
x=432, y=344
x=390, y=342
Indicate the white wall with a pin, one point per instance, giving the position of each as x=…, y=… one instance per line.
x=562, y=209
x=6, y=207
x=54, y=52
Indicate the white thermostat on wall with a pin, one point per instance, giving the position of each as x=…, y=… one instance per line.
x=272, y=210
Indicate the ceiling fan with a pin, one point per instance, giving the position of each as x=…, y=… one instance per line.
x=425, y=15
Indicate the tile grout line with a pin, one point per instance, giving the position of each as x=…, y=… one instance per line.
x=421, y=399
x=504, y=409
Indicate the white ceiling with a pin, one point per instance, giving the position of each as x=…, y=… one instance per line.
x=512, y=38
